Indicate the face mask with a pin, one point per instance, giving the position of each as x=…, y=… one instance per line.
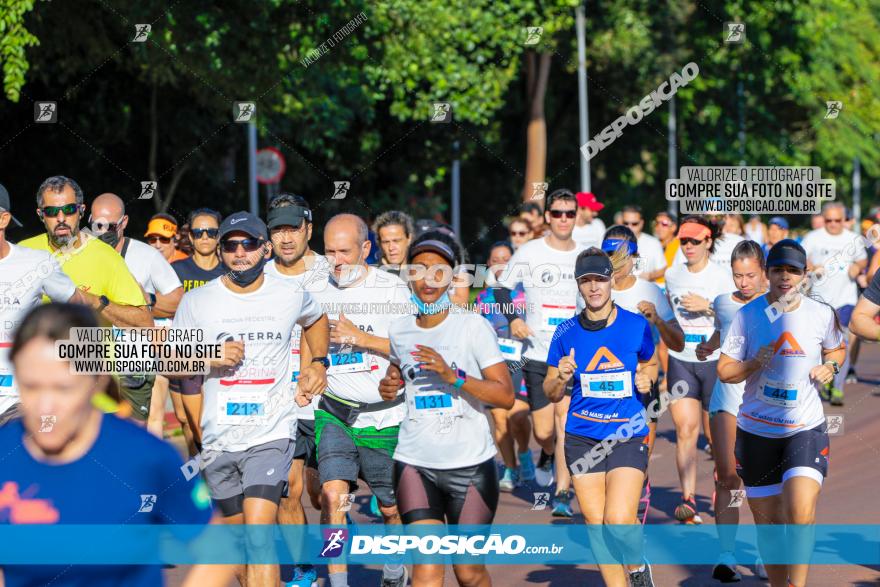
x=245, y=277
x=111, y=237
x=350, y=273
x=593, y=325
x=432, y=308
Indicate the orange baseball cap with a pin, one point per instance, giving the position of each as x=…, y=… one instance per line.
x=161, y=227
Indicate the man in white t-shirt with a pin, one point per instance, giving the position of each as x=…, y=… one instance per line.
x=651, y=264
x=26, y=276
x=247, y=420
x=356, y=430
x=546, y=269
x=836, y=257
x=589, y=228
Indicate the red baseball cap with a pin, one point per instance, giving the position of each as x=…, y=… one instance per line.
x=589, y=200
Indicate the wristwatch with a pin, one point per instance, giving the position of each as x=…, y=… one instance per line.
x=834, y=365
x=105, y=301
x=323, y=360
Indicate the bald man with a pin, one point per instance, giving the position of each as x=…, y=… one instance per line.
x=162, y=288
x=356, y=430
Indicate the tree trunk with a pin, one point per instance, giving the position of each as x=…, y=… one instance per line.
x=154, y=149
x=537, y=74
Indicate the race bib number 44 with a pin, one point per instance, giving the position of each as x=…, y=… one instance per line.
x=607, y=385
x=780, y=394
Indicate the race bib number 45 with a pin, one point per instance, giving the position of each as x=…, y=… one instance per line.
x=607, y=385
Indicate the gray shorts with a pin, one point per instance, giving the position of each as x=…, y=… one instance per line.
x=698, y=376
x=260, y=471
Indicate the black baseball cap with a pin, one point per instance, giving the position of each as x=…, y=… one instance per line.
x=787, y=252
x=6, y=205
x=244, y=222
x=288, y=216
x=433, y=246
x=587, y=264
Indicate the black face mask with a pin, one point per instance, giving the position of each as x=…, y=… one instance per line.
x=593, y=325
x=245, y=277
x=111, y=237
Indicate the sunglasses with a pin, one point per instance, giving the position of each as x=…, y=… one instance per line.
x=200, y=232
x=153, y=239
x=248, y=244
x=833, y=220
x=66, y=209
x=519, y=233
x=560, y=213
x=99, y=226
x=691, y=241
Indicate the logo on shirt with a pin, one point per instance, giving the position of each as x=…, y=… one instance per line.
x=334, y=542
x=792, y=350
x=25, y=509
x=610, y=361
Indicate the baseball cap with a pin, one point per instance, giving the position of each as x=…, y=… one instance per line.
x=162, y=227
x=288, y=216
x=433, y=246
x=787, y=252
x=6, y=205
x=244, y=222
x=588, y=200
x=780, y=222
x=587, y=264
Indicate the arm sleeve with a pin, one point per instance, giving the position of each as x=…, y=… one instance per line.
x=165, y=279
x=485, y=344
x=734, y=345
x=646, y=350
x=310, y=311
x=57, y=286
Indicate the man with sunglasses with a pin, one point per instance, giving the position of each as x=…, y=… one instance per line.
x=652, y=263
x=246, y=419
x=545, y=267
x=589, y=228
x=162, y=235
x=836, y=256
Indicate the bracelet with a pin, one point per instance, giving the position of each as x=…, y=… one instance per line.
x=460, y=378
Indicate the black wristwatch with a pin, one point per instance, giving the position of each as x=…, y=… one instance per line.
x=834, y=365
x=105, y=301
x=323, y=360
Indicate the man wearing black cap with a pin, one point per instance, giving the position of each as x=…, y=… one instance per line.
x=25, y=276
x=246, y=416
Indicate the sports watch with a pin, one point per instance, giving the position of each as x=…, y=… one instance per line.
x=323, y=360
x=834, y=365
x=105, y=301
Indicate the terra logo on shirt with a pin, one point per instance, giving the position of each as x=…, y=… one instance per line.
x=794, y=349
x=611, y=362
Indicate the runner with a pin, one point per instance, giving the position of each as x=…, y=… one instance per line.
x=162, y=235
x=666, y=230
x=652, y=262
x=612, y=350
x=290, y=228
x=552, y=292
x=27, y=276
x=724, y=243
x=67, y=463
x=155, y=276
x=513, y=424
x=691, y=287
x=444, y=465
x=747, y=263
x=394, y=231
x=755, y=230
x=836, y=257
x=246, y=418
x=105, y=284
x=783, y=353
x=519, y=232
x=589, y=228
x=193, y=272
x=531, y=212
x=356, y=431
x=777, y=230
x=863, y=322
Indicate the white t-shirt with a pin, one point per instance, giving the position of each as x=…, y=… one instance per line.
x=25, y=276
x=589, y=235
x=836, y=253
x=709, y=283
x=547, y=275
x=313, y=279
x=444, y=427
x=355, y=372
x=651, y=256
x=723, y=249
x=781, y=399
x=150, y=269
x=250, y=404
x=640, y=291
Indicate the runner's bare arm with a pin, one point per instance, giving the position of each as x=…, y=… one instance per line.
x=862, y=322
x=495, y=388
x=558, y=377
x=344, y=331
x=704, y=349
x=119, y=315
x=312, y=378
x=731, y=370
x=647, y=373
x=166, y=304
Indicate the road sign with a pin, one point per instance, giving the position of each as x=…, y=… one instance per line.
x=270, y=165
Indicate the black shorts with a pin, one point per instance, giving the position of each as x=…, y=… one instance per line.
x=305, y=443
x=764, y=463
x=625, y=453
x=187, y=385
x=652, y=396
x=534, y=373
x=445, y=494
x=698, y=376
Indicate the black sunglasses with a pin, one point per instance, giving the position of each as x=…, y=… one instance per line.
x=200, y=232
x=691, y=241
x=66, y=209
x=154, y=238
x=248, y=244
x=561, y=213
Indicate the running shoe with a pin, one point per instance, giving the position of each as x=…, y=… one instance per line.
x=825, y=392
x=562, y=505
x=686, y=512
x=526, y=466
x=374, y=507
x=836, y=397
x=508, y=481
x=401, y=581
x=545, y=473
x=303, y=576
x=760, y=571
x=644, y=502
x=725, y=570
x=851, y=376
x=642, y=577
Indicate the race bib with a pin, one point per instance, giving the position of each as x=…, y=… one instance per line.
x=7, y=385
x=350, y=362
x=242, y=408
x=511, y=349
x=607, y=385
x=779, y=393
x=697, y=334
x=433, y=404
x=554, y=315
